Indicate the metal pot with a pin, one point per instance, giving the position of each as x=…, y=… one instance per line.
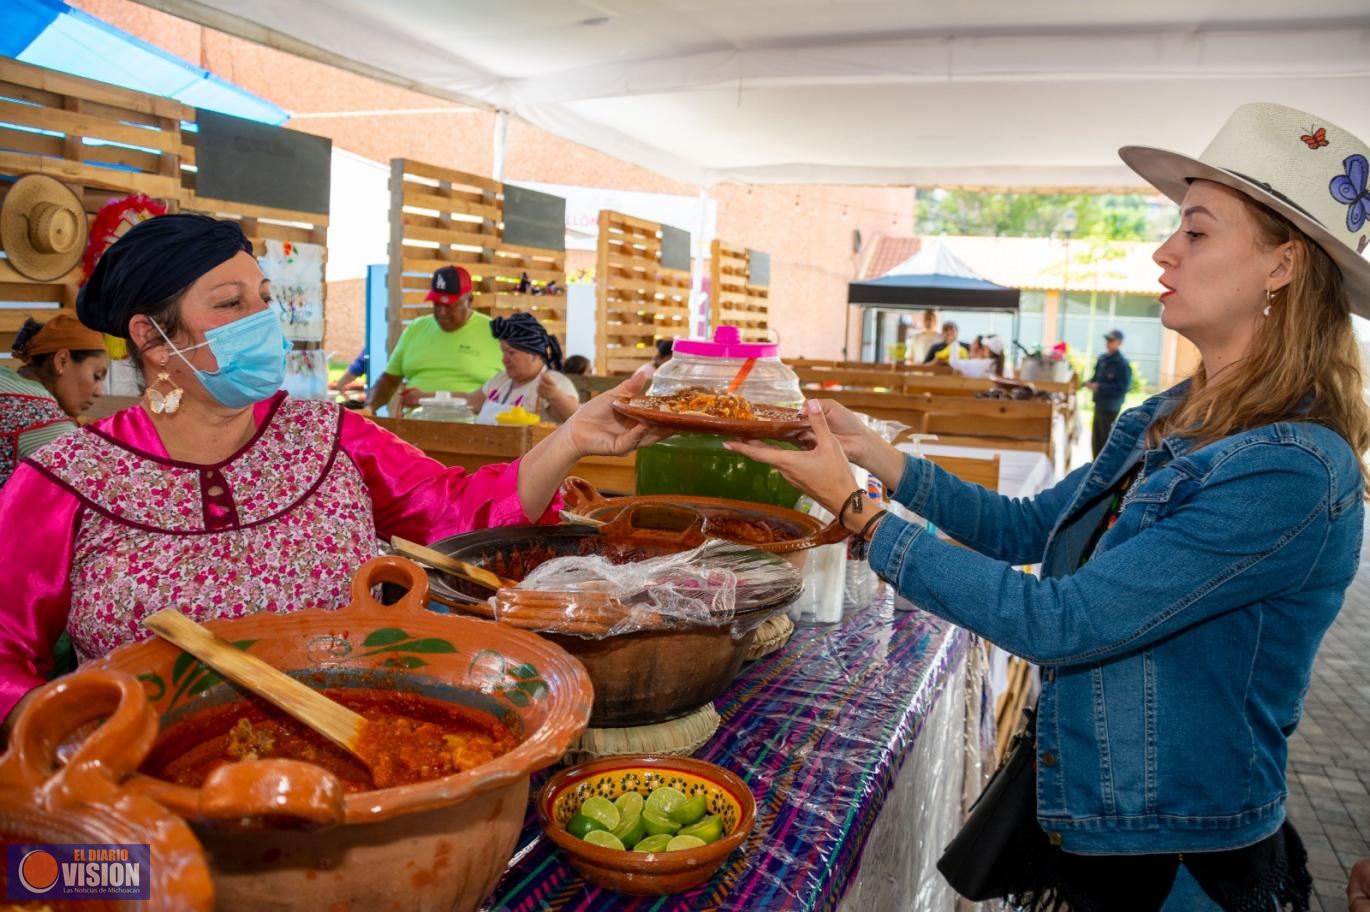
x=281, y=834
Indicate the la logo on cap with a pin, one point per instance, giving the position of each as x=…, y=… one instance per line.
x=440, y=282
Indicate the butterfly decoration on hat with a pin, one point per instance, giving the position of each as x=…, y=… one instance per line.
x=1350, y=188
x=1315, y=138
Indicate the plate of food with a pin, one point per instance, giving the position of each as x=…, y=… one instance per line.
x=706, y=411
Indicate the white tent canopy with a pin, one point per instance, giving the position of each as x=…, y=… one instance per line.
x=934, y=258
x=994, y=93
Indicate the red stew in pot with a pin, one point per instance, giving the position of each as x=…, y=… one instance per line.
x=411, y=738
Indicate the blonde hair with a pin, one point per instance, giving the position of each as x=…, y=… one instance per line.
x=1304, y=364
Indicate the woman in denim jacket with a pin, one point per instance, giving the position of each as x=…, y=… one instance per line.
x=1189, y=573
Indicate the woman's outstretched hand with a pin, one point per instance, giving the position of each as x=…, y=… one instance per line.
x=594, y=430
x=822, y=471
x=597, y=430
x=859, y=442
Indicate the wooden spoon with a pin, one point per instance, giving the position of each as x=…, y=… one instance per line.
x=448, y=564
x=334, y=721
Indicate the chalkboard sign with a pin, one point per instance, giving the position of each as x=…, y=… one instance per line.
x=533, y=219
x=675, y=248
x=244, y=161
x=758, y=267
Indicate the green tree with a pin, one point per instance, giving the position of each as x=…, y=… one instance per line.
x=1133, y=217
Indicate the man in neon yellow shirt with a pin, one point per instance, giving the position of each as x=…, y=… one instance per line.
x=451, y=350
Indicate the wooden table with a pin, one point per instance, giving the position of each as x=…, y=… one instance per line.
x=474, y=445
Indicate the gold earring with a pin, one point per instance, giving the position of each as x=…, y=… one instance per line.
x=164, y=403
x=1269, y=299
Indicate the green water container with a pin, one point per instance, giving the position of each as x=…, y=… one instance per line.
x=698, y=464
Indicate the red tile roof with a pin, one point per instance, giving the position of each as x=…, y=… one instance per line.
x=887, y=253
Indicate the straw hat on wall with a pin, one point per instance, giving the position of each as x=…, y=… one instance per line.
x=42, y=228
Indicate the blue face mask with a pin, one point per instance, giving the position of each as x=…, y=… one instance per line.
x=251, y=356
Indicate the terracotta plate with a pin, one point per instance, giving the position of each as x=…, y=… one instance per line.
x=772, y=422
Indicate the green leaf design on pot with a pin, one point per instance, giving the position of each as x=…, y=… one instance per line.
x=183, y=663
x=405, y=662
x=533, y=688
x=194, y=677
x=204, y=682
x=517, y=683
x=386, y=636
x=155, y=680
x=397, y=640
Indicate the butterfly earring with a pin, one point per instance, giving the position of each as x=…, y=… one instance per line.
x=164, y=403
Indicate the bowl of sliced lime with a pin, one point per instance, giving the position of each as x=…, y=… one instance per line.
x=646, y=825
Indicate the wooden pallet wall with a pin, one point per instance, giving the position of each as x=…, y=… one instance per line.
x=735, y=299
x=638, y=301
x=102, y=141
x=106, y=142
x=259, y=223
x=440, y=217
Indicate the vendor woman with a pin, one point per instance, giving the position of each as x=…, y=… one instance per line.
x=532, y=377
x=217, y=495
x=64, y=366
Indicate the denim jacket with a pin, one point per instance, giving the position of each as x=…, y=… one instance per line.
x=1175, y=660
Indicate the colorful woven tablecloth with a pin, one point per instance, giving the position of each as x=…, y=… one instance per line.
x=818, y=730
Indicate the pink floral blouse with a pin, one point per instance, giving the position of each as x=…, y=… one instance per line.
x=103, y=528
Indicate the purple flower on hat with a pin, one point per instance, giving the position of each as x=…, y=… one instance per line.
x=1350, y=188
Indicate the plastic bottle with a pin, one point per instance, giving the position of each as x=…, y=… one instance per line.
x=697, y=463
x=821, y=601
x=443, y=406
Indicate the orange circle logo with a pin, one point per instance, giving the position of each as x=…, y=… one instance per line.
x=38, y=871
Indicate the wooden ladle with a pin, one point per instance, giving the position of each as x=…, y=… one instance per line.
x=334, y=721
x=448, y=564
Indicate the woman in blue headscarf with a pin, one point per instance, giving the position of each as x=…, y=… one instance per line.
x=217, y=495
x=532, y=377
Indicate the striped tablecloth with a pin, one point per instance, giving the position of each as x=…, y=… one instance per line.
x=818, y=730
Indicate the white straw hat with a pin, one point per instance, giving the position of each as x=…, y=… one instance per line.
x=1308, y=170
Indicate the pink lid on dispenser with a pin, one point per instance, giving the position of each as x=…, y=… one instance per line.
x=727, y=343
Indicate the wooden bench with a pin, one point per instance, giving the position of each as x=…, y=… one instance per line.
x=959, y=420
x=474, y=445
x=467, y=445
x=898, y=381
x=588, y=386
x=984, y=472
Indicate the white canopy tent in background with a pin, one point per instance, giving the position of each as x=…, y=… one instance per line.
x=992, y=93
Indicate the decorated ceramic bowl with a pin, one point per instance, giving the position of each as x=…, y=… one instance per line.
x=646, y=873
x=284, y=834
x=86, y=800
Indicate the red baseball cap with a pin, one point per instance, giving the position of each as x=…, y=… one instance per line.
x=449, y=284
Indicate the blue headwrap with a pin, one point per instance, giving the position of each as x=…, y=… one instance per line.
x=524, y=332
x=153, y=261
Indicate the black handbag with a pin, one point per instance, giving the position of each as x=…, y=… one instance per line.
x=1001, y=847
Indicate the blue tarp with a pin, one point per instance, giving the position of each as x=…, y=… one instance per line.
x=50, y=34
